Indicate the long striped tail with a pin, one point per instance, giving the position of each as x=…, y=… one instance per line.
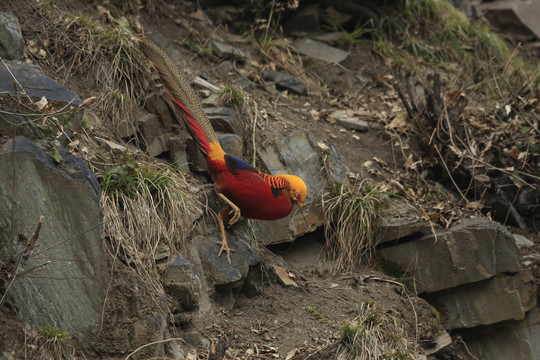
x=183, y=96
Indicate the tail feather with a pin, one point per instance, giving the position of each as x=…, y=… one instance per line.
x=181, y=93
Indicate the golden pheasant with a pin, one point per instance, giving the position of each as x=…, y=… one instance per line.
x=247, y=191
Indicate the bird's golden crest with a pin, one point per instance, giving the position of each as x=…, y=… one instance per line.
x=298, y=188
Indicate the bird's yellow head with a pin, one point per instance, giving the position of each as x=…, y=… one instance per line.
x=297, y=190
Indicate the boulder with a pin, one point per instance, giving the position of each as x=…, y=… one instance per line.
x=507, y=340
x=153, y=136
x=501, y=298
x=224, y=119
x=36, y=85
x=11, y=40
x=64, y=281
x=474, y=250
x=519, y=18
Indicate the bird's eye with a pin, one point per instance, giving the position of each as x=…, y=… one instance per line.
x=297, y=195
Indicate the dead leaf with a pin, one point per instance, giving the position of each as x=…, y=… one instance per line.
x=292, y=354
x=284, y=276
x=400, y=121
x=40, y=105
x=408, y=162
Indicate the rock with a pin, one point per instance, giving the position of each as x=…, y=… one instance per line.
x=350, y=122
x=531, y=260
x=182, y=284
x=160, y=105
x=508, y=340
x=403, y=221
x=205, y=84
x=69, y=290
x=153, y=137
x=285, y=82
x=227, y=51
x=216, y=268
x=500, y=298
x=224, y=119
x=11, y=41
x=320, y=51
x=336, y=171
x=177, y=153
x=522, y=242
x=520, y=18
x=35, y=83
x=474, y=250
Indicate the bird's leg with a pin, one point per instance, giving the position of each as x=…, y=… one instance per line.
x=223, y=242
x=234, y=209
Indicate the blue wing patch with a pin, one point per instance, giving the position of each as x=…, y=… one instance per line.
x=235, y=163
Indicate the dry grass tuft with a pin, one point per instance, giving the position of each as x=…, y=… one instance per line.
x=351, y=224
x=148, y=211
x=373, y=335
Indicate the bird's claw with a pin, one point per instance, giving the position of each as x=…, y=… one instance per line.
x=236, y=216
x=225, y=247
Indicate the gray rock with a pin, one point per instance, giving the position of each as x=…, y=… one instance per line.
x=475, y=250
x=224, y=119
x=285, y=82
x=508, y=340
x=402, y=221
x=11, y=41
x=321, y=51
x=182, y=284
x=67, y=292
x=522, y=242
x=228, y=51
x=500, y=298
x=177, y=153
x=153, y=137
x=35, y=83
x=216, y=268
x=336, y=171
x=520, y=18
x=160, y=105
x=29, y=122
x=353, y=123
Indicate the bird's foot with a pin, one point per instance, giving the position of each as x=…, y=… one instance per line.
x=235, y=211
x=225, y=247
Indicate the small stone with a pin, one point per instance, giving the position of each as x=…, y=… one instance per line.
x=321, y=51
x=228, y=51
x=285, y=82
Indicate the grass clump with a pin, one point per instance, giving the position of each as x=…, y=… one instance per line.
x=51, y=342
x=234, y=97
x=352, y=218
x=148, y=211
x=373, y=334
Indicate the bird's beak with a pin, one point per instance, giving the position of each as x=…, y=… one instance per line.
x=299, y=204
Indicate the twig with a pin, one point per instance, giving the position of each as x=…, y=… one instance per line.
x=150, y=344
